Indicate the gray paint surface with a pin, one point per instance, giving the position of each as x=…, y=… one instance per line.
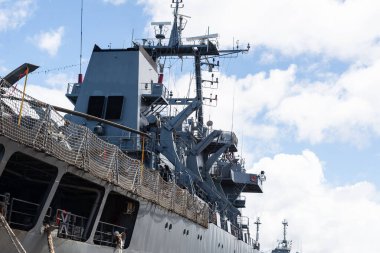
x=149, y=235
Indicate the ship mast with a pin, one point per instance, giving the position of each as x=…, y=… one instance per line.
x=201, y=48
x=285, y=224
x=174, y=35
x=198, y=82
x=257, y=223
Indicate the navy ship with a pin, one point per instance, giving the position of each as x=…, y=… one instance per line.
x=284, y=245
x=132, y=168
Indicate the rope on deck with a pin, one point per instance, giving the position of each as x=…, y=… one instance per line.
x=48, y=229
x=12, y=236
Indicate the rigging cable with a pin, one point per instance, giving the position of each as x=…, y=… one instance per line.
x=233, y=109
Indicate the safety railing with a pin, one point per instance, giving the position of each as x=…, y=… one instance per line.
x=157, y=89
x=129, y=143
x=4, y=202
x=70, y=225
x=105, y=233
x=243, y=222
x=30, y=122
x=235, y=231
x=22, y=214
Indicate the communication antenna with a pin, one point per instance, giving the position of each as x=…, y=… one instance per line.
x=80, y=76
x=160, y=34
x=202, y=38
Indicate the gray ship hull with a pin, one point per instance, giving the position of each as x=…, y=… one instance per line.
x=156, y=229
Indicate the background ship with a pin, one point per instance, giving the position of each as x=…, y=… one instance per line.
x=284, y=245
x=132, y=168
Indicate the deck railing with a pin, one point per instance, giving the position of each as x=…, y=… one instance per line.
x=105, y=233
x=42, y=128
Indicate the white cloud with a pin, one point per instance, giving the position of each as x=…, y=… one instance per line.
x=58, y=80
x=14, y=14
x=267, y=58
x=241, y=100
x=346, y=109
x=53, y=96
x=322, y=218
x=115, y=2
x=49, y=41
x=346, y=30
x=54, y=93
x=341, y=108
x=269, y=105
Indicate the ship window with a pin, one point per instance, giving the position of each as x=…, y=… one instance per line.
x=119, y=216
x=75, y=206
x=95, y=106
x=2, y=151
x=114, y=107
x=24, y=186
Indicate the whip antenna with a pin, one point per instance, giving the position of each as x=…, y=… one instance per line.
x=80, y=76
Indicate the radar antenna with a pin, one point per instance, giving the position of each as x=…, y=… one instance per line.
x=160, y=32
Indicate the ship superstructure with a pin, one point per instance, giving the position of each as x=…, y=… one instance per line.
x=123, y=170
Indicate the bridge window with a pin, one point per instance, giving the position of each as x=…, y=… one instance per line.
x=96, y=106
x=2, y=151
x=119, y=216
x=24, y=187
x=114, y=107
x=74, y=207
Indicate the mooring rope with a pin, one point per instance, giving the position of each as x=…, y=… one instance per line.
x=13, y=237
x=48, y=229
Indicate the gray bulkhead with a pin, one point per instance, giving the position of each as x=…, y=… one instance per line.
x=123, y=72
x=156, y=229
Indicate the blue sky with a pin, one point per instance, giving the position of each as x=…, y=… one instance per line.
x=305, y=97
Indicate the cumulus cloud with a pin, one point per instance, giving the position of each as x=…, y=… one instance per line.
x=276, y=103
x=50, y=95
x=115, y=2
x=52, y=91
x=49, y=41
x=346, y=109
x=59, y=80
x=14, y=14
x=341, y=107
x=345, y=30
x=241, y=100
x=322, y=218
